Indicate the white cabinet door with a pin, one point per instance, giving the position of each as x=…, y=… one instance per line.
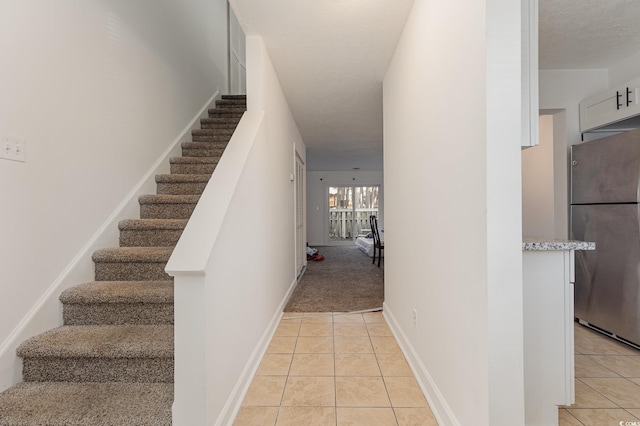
x=616, y=104
x=601, y=109
x=632, y=96
x=530, y=108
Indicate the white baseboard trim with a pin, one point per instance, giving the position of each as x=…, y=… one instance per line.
x=232, y=406
x=46, y=313
x=441, y=410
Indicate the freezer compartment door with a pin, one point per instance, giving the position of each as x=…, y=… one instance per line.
x=606, y=170
x=608, y=278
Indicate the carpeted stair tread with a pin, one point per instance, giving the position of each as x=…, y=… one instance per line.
x=119, y=292
x=182, y=178
x=132, y=254
x=235, y=109
x=194, y=160
x=195, y=165
x=151, y=232
x=202, y=151
x=118, y=302
x=167, y=206
x=168, y=199
x=206, y=145
x=219, y=139
x=152, y=224
x=87, y=404
x=234, y=97
x=184, y=183
x=219, y=122
x=227, y=101
x=101, y=341
x=212, y=132
x=226, y=112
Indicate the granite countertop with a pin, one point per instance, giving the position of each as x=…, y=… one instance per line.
x=551, y=244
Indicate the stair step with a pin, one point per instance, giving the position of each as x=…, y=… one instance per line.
x=100, y=353
x=167, y=206
x=203, y=149
x=226, y=112
x=185, y=184
x=219, y=122
x=231, y=103
x=58, y=404
x=150, y=232
x=195, y=165
x=132, y=263
x=214, y=132
x=118, y=302
x=223, y=139
x=234, y=97
x=210, y=144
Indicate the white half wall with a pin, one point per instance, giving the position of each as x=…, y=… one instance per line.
x=235, y=264
x=99, y=90
x=453, y=207
x=318, y=202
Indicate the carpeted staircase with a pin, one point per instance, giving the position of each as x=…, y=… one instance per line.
x=111, y=363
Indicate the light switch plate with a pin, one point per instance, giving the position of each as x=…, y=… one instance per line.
x=13, y=148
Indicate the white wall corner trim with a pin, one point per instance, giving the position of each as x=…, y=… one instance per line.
x=46, y=313
x=233, y=404
x=441, y=410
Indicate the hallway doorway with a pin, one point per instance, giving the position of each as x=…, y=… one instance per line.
x=349, y=211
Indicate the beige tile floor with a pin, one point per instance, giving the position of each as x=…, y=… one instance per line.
x=334, y=370
x=607, y=382
x=348, y=370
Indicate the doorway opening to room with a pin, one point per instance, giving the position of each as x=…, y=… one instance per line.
x=349, y=211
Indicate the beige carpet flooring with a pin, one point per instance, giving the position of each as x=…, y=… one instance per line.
x=344, y=281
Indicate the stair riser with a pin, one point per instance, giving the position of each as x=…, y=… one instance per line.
x=193, y=169
x=137, y=370
x=150, y=237
x=166, y=211
x=191, y=152
x=118, y=314
x=189, y=188
x=131, y=271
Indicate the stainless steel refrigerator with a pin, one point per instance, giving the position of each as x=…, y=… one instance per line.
x=605, y=208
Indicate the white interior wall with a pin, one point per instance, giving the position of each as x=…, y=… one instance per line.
x=457, y=262
x=318, y=204
x=625, y=70
x=237, y=59
x=564, y=89
x=538, y=201
x=99, y=89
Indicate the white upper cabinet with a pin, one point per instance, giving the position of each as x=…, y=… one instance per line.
x=620, y=103
x=530, y=109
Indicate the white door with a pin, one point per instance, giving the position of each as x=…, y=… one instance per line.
x=299, y=185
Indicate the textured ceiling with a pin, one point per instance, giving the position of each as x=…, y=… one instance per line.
x=331, y=57
x=577, y=34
